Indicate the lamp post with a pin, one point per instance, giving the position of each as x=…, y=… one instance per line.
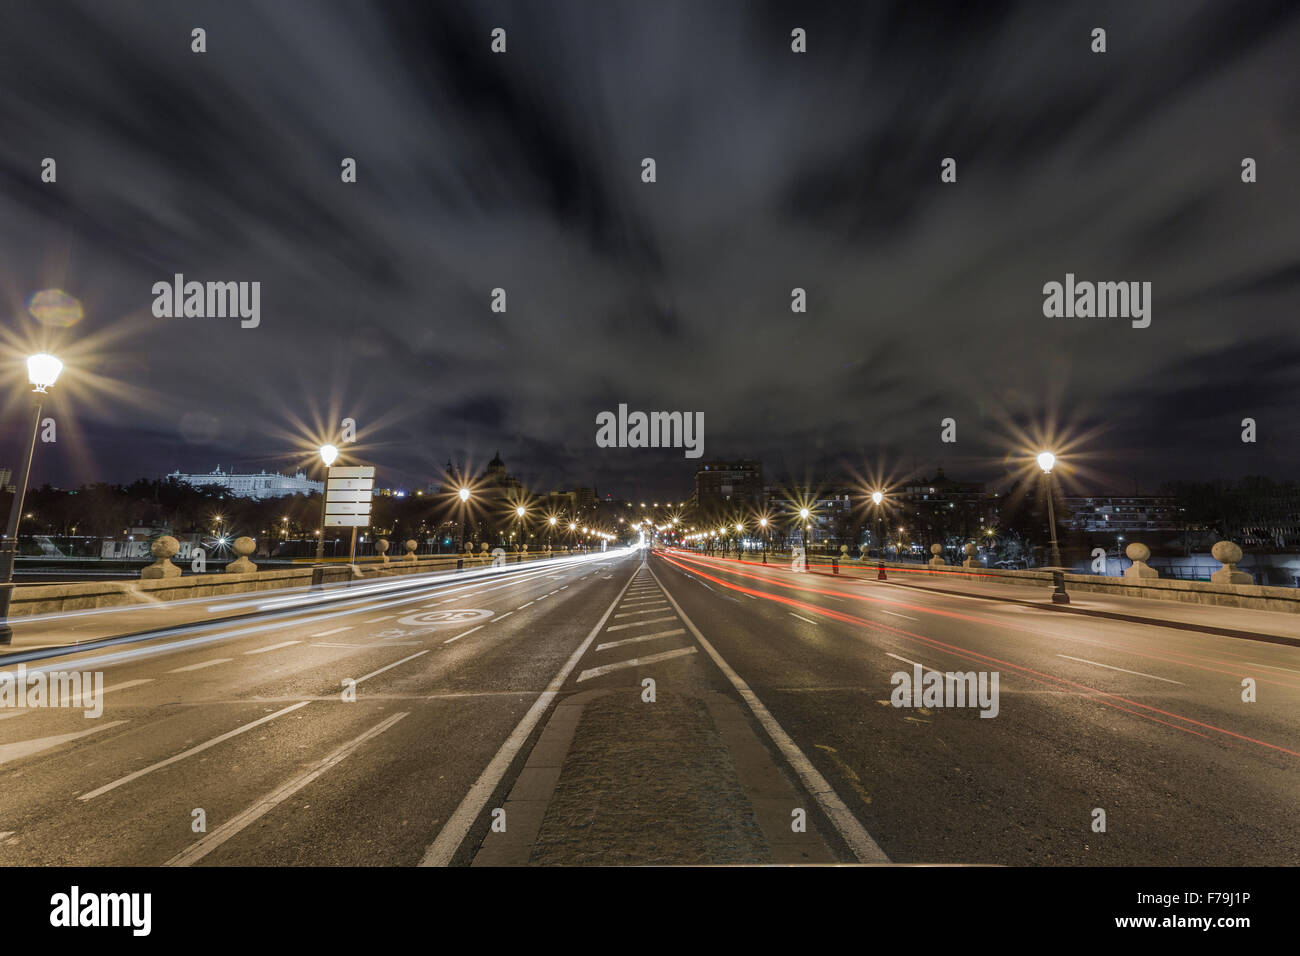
x=328, y=454
x=42, y=371
x=1046, y=461
x=807, y=535
x=877, y=499
x=762, y=523
x=463, y=494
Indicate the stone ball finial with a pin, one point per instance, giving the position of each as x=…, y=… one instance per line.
x=936, y=549
x=1137, y=551
x=411, y=544
x=971, y=550
x=243, y=546
x=382, y=545
x=164, y=547
x=1226, y=552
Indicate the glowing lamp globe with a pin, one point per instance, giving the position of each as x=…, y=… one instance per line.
x=43, y=370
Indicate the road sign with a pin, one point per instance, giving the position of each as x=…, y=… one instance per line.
x=349, y=493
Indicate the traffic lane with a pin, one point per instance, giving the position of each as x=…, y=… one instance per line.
x=1090, y=655
x=390, y=802
x=228, y=660
x=1021, y=788
x=74, y=767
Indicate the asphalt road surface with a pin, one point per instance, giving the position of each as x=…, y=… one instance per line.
x=391, y=728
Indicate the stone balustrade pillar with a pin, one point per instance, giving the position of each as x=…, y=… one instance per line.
x=243, y=547
x=1228, y=554
x=164, y=548
x=1139, y=554
x=937, y=561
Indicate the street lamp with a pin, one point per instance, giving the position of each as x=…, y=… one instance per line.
x=762, y=523
x=463, y=494
x=328, y=454
x=877, y=499
x=42, y=371
x=1046, y=461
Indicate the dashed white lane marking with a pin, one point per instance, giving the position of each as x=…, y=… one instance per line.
x=634, y=662
x=191, y=752
x=501, y=617
x=653, y=620
x=1109, y=667
x=522, y=606
x=1275, y=667
x=638, y=640
x=26, y=748
x=854, y=833
x=391, y=666
x=273, y=647
x=896, y=614
x=228, y=829
x=459, y=636
x=748, y=595
x=327, y=644
x=199, y=667
x=802, y=618
x=906, y=660
x=386, y=617
x=337, y=630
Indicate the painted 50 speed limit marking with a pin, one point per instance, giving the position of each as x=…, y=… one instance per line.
x=452, y=617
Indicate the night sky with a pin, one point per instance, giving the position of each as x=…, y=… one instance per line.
x=775, y=170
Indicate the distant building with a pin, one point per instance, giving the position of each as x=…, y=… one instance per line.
x=7, y=480
x=1126, y=515
x=261, y=485
x=728, y=486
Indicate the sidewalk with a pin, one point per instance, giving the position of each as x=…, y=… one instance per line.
x=1207, y=618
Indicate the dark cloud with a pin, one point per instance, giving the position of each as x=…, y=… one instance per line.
x=522, y=172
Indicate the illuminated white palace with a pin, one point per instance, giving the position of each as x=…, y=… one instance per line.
x=260, y=485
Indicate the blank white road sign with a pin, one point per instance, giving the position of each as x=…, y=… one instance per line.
x=349, y=492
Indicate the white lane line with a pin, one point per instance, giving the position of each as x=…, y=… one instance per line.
x=634, y=662
x=851, y=831
x=231, y=827
x=337, y=630
x=459, y=636
x=748, y=595
x=26, y=748
x=501, y=617
x=522, y=606
x=650, y=603
x=924, y=667
x=802, y=618
x=653, y=620
x=386, y=617
x=199, y=667
x=638, y=640
x=649, y=610
x=327, y=644
x=76, y=700
x=191, y=752
x=565, y=588
x=896, y=614
x=444, y=845
x=1275, y=667
x=273, y=647
x=1110, y=668
x=391, y=666
x=16, y=714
